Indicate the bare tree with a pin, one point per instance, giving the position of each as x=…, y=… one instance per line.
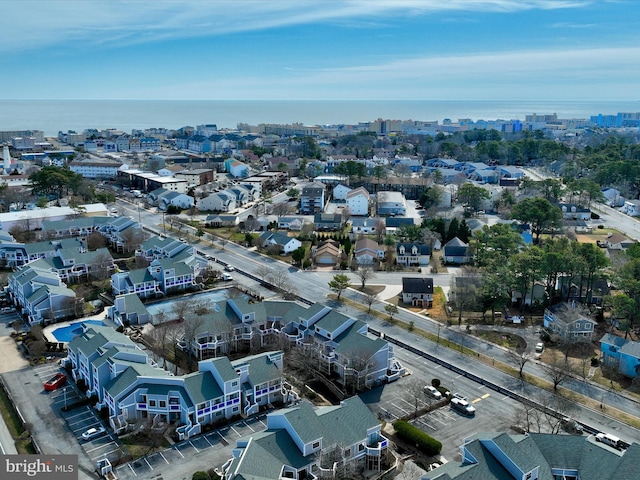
x=179, y=309
x=369, y=299
x=381, y=227
x=557, y=370
x=463, y=292
x=191, y=327
x=101, y=266
x=132, y=238
x=414, y=394
x=281, y=209
x=520, y=359
x=96, y=240
x=365, y=272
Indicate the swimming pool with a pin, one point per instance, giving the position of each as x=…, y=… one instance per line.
x=66, y=334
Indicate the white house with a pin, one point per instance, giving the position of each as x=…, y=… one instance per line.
x=358, y=201
x=218, y=202
x=631, y=208
x=288, y=244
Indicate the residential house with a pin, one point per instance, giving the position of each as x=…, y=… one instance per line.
x=236, y=168
x=509, y=171
x=391, y=203
x=616, y=241
x=197, y=177
x=39, y=293
x=128, y=309
x=613, y=197
x=392, y=224
x=217, y=221
x=285, y=243
x=631, y=208
x=485, y=175
x=162, y=276
x=312, y=199
x=621, y=354
x=327, y=253
x=568, y=323
x=328, y=222
x=163, y=247
x=417, y=291
x=367, y=252
x=176, y=200
x=293, y=224
x=340, y=192
x=134, y=391
x=455, y=251
x=366, y=225
x=339, y=344
x=358, y=201
x=538, y=456
x=218, y=202
x=303, y=442
x=445, y=163
x=413, y=254
x=572, y=211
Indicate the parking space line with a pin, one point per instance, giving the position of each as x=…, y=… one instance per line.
x=263, y=424
x=194, y=447
x=164, y=458
x=426, y=424
x=485, y=395
x=178, y=450
x=401, y=409
x=132, y=469
x=103, y=454
x=205, y=437
x=88, y=450
x=249, y=426
x=235, y=430
x=147, y=462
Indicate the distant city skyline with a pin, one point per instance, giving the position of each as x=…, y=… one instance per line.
x=312, y=49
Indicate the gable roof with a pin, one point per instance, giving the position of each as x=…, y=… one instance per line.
x=417, y=285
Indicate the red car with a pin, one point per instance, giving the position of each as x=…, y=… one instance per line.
x=56, y=381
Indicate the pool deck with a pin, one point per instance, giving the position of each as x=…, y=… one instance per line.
x=48, y=330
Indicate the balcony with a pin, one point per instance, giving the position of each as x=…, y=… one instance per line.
x=376, y=448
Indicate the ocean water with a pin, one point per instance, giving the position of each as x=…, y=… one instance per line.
x=52, y=116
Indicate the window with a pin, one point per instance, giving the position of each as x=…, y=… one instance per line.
x=315, y=445
x=361, y=447
x=163, y=404
x=152, y=403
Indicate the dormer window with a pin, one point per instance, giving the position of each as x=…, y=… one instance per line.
x=401, y=250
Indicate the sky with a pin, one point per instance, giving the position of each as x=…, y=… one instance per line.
x=320, y=49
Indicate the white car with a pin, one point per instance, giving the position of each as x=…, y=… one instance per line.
x=93, y=433
x=463, y=406
x=539, y=347
x=432, y=392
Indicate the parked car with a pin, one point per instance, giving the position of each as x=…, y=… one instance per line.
x=229, y=268
x=539, y=347
x=432, y=392
x=569, y=425
x=462, y=406
x=54, y=382
x=93, y=433
x=609, y=439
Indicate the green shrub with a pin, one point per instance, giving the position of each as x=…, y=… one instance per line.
x=200, y=476
x=425, y=443
x=435, y=382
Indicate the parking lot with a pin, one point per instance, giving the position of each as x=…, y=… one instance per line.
x=494, y=412
x=203, y=452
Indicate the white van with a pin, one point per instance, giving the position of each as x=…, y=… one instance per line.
x=609, y=439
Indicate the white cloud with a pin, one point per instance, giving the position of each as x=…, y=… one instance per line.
x=547, y=74
x=28, y=24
